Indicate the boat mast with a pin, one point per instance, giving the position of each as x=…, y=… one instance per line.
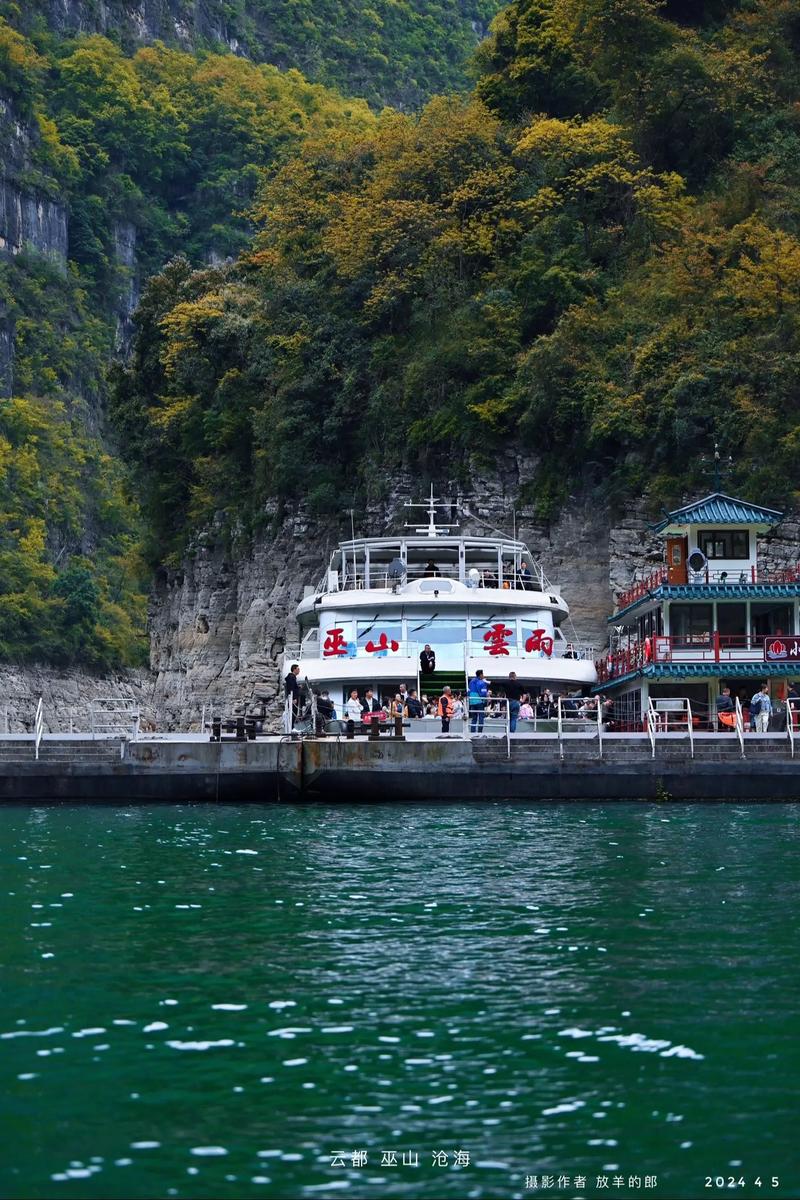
x=431, y=530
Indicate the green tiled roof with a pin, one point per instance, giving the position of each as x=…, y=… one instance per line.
x=719, y=509
x=712, y=591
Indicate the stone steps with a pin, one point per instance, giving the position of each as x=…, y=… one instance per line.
x=59, y=753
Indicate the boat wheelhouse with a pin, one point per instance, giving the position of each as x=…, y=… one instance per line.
x=479, y=603
x=711, y=616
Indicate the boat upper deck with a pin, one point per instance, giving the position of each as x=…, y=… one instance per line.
x=369, y=563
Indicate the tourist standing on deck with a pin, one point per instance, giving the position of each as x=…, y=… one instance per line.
x=761, y=708
x=525, y=578
x=725, y=705
x=427, y=661
x=414, y=705
x=370, y=706
x=326, y=710
x=292, y=690
x=352, y=712
x=514, y=697
x=446, y=708
x=478, y=691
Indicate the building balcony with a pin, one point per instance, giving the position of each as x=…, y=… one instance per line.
x=700, y=650
x=748, y=578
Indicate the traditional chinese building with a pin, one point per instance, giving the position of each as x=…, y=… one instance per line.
x=477, y=602
x=712, y=615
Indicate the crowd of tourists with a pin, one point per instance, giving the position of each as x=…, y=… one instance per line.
x=481, y=702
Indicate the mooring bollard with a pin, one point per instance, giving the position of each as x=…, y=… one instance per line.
x=374, y=731
x=398, y=727
x=216, y=729
x=351, y=731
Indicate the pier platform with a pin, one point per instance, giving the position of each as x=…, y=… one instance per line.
x=178, y=768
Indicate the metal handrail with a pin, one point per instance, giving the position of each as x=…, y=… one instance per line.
x=689, y=726
x=600, y=728
x=739, y=726
x=560, y=716
x=115, y=715
x=652, y=721
x=38, y=728
x=790, y=713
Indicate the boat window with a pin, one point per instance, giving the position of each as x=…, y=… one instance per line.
x=435, y=585
x=380, y=634
x=442, y=630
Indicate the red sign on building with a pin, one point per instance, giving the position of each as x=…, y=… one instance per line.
x=781, y=648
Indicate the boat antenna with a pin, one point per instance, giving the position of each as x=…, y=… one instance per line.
x=353, y=543
x=431, y=529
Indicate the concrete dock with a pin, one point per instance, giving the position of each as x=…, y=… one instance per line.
x=189, y=768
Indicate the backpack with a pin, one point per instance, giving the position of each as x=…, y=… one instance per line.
x=755, y=705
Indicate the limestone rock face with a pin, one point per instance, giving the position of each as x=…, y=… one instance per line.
x=66, y=696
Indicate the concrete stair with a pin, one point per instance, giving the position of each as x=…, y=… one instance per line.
x=583, y=751
x=59, y=752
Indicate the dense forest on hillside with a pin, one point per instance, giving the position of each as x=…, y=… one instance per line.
x=166, y=146
x=594, y=256
x=397, y=52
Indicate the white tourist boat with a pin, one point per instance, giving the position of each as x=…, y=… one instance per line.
x=477, y=602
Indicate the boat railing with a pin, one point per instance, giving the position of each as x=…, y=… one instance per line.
x=579, y=652
x=357, y=579
x=298, y=652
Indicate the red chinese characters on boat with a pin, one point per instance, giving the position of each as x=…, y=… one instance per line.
x=539, y=641
x=334, y=644
x=497, y=638
x=382, y=645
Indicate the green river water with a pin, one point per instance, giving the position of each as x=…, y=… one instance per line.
x=204, y=1002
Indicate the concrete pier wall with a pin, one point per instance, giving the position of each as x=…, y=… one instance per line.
x=329, y=770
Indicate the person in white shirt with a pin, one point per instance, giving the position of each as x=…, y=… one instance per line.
x=352, y=712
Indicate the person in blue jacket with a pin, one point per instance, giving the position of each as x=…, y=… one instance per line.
x=478, y=691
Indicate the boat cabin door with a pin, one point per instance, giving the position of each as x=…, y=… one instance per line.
x=677, y=553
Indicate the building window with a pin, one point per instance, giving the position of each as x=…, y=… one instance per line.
x=690, y=624
x=725, y=543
